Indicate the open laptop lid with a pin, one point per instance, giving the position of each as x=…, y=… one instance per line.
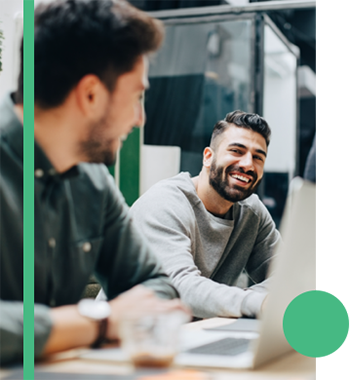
x=294, y=268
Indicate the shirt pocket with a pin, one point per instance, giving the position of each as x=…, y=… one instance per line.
x=86, y=253
x=72, y=271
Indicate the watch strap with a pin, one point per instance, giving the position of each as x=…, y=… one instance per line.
x=102, y=333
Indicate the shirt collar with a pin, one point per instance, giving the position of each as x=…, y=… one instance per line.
x=45, y=170
x=12, y=131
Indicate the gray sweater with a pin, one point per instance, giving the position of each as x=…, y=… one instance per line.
x=204, y=254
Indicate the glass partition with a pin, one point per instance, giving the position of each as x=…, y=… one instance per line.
x=209, y=66
x=202, y=72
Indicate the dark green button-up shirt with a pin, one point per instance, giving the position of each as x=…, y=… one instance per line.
x=82, y=226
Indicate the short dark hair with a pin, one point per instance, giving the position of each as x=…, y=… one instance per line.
x=74, y=38
x=242, y=119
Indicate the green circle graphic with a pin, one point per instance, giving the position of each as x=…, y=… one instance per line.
x=315, y=323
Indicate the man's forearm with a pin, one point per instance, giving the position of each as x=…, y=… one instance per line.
x=162, y=287
x=208, y=298
x=262, y=287
x=69, y=330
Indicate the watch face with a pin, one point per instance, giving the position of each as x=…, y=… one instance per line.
x=94, y=309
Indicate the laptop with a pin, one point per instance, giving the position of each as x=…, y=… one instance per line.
x=250, y=343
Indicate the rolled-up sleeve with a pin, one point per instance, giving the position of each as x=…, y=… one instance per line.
x=11, y=330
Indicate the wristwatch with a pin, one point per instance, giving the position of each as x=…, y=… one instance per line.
x=98, y=311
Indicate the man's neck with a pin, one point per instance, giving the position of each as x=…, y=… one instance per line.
x=56, y=132
x=212, y=201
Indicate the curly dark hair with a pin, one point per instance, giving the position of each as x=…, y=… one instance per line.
x=74, y=38
x=242, y=119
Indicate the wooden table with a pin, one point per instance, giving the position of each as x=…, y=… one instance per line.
x=289, y=367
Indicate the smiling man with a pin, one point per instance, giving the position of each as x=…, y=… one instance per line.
x=209, y=229
x=90, y=74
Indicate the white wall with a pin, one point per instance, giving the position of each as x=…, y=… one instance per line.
x=157, y=163
x=11, y=24
x=280, y=101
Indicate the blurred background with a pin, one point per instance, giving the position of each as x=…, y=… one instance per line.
x=218, y=56
x=223, y=55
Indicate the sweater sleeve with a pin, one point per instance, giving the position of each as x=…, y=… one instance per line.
x=264, y=249
x=11, y=330
x=126, y=259
x=167, y=221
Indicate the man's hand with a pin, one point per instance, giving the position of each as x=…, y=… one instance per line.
x=70, y=329
x=137, y=302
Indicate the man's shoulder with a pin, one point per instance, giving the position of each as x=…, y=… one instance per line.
x=179, y=184
x=175, y=193
x=253, y=204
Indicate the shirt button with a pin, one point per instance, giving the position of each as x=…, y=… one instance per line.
x=52, y=243
x=87, y=247
x=52, y=171
x=39, y=173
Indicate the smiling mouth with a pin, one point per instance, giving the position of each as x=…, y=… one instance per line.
x=240, y=178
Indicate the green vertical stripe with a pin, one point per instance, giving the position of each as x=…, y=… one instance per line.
x=129, y=167
x=28, y=190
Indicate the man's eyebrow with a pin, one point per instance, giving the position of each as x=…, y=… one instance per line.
x=261, y=152
x=239, y=145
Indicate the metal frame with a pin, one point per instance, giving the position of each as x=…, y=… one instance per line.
x=259, y=63
x=207, y=18
x=225, y=13
x=230, y=9
x=291, y=47
x=252, y=100
x=222, y=18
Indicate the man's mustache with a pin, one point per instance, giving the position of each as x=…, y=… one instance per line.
x=234, y=168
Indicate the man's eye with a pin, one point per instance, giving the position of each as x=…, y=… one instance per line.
x=258, y=158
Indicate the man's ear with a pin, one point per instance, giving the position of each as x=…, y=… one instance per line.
x=208, y=155
x=92, y=96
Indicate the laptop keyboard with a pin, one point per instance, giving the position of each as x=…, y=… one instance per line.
x=226, y=347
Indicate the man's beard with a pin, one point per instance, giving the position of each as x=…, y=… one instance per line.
x=96, y=148
x=232, y=193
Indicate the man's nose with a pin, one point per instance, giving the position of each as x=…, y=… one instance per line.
x=140, y=115
x=246, y=162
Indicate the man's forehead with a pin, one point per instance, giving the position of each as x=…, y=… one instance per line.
x=145, y=82
x=242, y=135
x=137, y=78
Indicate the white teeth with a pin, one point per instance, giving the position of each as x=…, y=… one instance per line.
x=240, y=177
